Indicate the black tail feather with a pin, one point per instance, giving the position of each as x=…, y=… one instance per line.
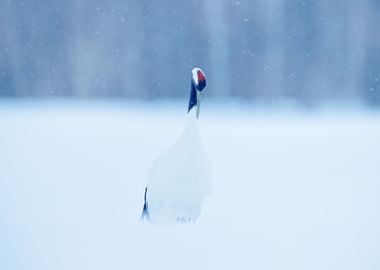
x=145, y=212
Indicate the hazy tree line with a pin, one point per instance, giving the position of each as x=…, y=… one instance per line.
x=307, y=51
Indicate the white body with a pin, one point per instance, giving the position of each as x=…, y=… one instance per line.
x=179, y=179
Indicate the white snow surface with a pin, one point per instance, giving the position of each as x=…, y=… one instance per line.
x=179, y=178
x=291, y=190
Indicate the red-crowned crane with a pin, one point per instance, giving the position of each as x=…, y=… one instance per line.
x=179, y=179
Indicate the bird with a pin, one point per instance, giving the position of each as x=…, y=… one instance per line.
x=179, y=180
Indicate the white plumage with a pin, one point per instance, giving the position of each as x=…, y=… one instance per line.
x=179, y=178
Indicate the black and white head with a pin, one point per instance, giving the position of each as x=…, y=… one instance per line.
x=198, y=83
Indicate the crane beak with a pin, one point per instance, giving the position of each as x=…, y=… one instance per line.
x=199, y=97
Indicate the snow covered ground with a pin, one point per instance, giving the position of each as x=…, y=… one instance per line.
x=291, y=190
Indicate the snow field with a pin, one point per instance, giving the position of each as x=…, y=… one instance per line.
x=291, y=190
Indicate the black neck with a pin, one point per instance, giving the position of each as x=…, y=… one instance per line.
x=193, y=97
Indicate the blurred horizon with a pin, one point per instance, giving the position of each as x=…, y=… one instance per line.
x=91, y=92
x=307, y=52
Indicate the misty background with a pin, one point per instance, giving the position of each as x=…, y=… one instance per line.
x=304, y=51
x=91, y=92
